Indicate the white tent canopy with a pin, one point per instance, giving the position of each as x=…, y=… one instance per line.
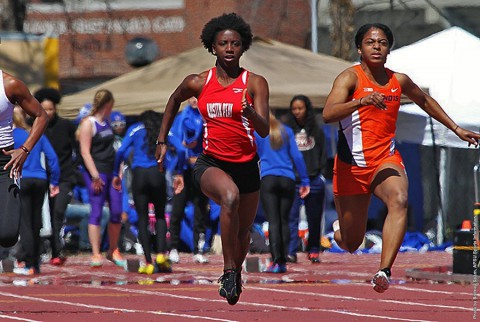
x=448, y=64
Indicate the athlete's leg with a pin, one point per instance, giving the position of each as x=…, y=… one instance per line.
x=114, y=198
x=9, y=209
x=390, y=184
x=352, y=216
x=158, y=195
x=179, y=201
x=58, y=206
x=314, y=204
x=140, y=199
x=247, y=210
x=294, y=218
x=219, y=187
x=97, y=201
x=271, y=207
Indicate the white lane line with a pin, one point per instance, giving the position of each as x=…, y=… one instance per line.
x=2, y=316
x=107, y=308
x=343, y=297
x=406, y=288
x=263, y=305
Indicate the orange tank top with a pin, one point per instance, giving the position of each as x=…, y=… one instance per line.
x=367, y=136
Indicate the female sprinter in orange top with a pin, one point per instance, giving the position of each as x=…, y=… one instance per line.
x=233, y=103
x=365, y=100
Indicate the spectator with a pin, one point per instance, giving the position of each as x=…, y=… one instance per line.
x=148, y=186
x=311, y=142
x=189, y=128
x=98, y=154
x=33, y=187
x=278, y=154
x=61, y=134
x=118, y=122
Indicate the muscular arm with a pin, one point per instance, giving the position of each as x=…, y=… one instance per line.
x=191, y=86
x=18, y=93
x=258, y=90
x=432, y=108
x=337, y=106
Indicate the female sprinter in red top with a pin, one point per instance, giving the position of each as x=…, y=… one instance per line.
x=233, y=103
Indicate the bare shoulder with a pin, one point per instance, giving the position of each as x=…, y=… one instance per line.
x=13, y=87
x=401, y=77
x=348, y=74
x=195, y=81
x=256, y=77
x=10, y=81
x=257, y=81
x=404, y=80
x=347, y=78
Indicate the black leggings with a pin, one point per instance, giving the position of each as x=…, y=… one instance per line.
x=32, y=195
x=58, y=206
x=149, y=185
x=200, y=212
x=277, y=194
x=9, y=204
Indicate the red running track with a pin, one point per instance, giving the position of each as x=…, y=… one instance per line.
x=337, y=289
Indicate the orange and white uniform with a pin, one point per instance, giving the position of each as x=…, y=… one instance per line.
x=367, y=137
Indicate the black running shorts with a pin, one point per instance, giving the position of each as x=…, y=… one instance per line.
x=246, y=175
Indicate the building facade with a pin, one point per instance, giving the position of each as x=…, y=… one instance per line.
x=94, y=34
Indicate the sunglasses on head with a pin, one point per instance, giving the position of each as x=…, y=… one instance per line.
x=116, y=125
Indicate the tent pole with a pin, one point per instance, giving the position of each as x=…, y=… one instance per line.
x=476, y=213
x=439, y=191
x=314, y=17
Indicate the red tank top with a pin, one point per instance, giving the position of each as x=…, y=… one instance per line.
x=367, y=136
x=227, y=135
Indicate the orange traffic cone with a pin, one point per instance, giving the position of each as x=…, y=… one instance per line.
x=466, y=225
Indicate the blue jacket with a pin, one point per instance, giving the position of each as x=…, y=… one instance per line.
x=280, y=162
x=192, y=130
x=135, y=139
x=187, y=127
x=34, y=166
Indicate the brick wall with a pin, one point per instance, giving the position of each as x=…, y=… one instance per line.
x=92, y=44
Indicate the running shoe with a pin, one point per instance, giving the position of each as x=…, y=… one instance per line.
x=314, y=258
x=96, y=261
x=174, y=256
x=276, y=268
x=58, y=261
x=235, y=299
x=381, y=281
x=164, y=264
x=148, y=269
x=228, y=286
x=199, y=258
x=27, y=271
x=116, y=258
x=292, y=258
